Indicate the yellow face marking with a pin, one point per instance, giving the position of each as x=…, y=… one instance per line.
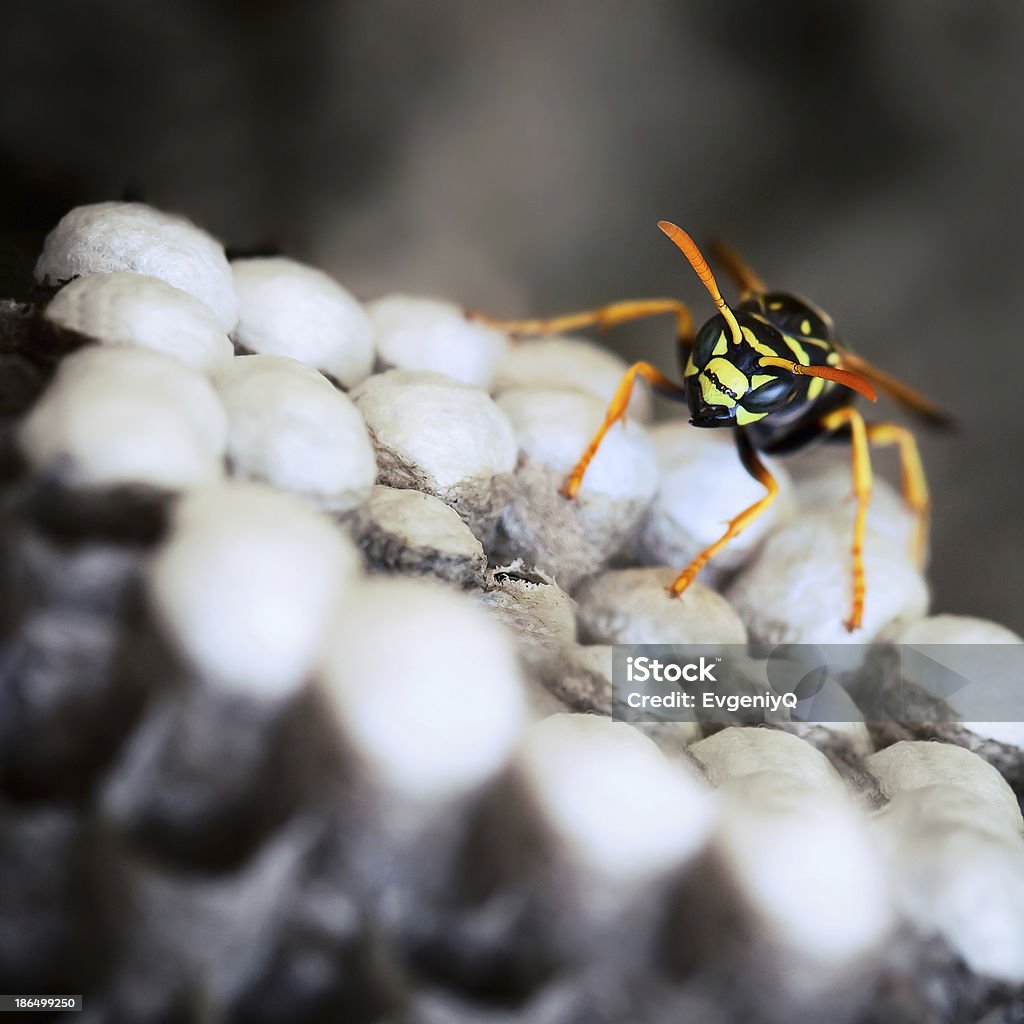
x=730, y=378
x=761, y=378
x=775, y=305
x=759, y=347
x=721, y=383
x=713, y=395
x=721, y=347
x=832, y=359
x=743, y=416
x=805, y=327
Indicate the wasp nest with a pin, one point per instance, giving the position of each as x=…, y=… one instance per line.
x=306, y=682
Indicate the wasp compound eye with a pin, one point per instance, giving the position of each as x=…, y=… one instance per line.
x=711, y=338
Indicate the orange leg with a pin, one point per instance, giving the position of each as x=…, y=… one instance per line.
x=915, y=486
x=617, y=411
x=861, y=462
x=604, y=316
x=757, y=469
x=736, y=267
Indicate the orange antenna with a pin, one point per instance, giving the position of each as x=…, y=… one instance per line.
x=689, y=249
x=844, y=377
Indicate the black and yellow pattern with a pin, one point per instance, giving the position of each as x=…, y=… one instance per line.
x=729, y=384
x=772, y=369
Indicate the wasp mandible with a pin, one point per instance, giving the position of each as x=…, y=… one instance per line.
x=772, y=369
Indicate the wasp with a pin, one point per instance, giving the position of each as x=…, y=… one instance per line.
x=773, y=370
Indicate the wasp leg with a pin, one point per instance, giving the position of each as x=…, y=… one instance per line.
x=757, y=469
x=611, y=315
x=861, y=463
x=736, y=267
x=915, y=486
x=617, y=411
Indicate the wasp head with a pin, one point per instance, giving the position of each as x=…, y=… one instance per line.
x=726, y=385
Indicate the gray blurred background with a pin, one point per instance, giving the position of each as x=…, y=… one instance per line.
x=515, y=156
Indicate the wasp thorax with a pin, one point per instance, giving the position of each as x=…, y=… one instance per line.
x=726, y=385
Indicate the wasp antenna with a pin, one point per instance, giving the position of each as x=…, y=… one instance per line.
x=689, y=249
x=854, y=381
